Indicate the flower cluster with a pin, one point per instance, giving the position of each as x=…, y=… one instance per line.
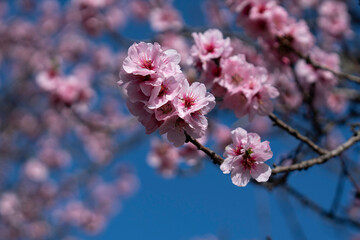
x=245, y=88
x=334, y=19
x=166, y=158
x=322, y=82
x=67, y=90
x=275, y=28
x=160, y=96
x=245, y=158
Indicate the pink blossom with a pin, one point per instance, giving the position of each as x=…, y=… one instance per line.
x=334, y=19
x=36, y=170
x=245, y=158
x=166, y=91
x=9, y=204
x=309, y=74
x=143, y=59
x=92, y=3
x=210, y=45
x=165, y=18
x=235, y=72
x=115, y=18
x=258, y=21
x=308, y=3
x=290, y=95
x=146, y=58
x=299, y=36
x=174, y=128
x=160, y=95
x=251, y=55
x=254, y=96
x=140, y=9
x=48, y=80
x=193, y=99
x=52, y=156
x=164, y=157
x=146, y=118
x=336, y=102
x=72, y=90
x=324, y=81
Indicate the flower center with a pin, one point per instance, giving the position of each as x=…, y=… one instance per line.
x=163, y=90
x=209, y=48
x=166, y=108
x=147, y=64
x=189, y=101
x=248, y=163
x=52, y=73
x=238, y=151
x=236, y=79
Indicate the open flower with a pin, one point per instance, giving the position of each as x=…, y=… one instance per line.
x=245, y=158
x=210, y=45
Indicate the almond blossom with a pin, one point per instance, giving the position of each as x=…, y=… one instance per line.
x=164, y=157
x=165, y=18
x=249, y=88
x=210, y=45
x=160, y=96
x=334, y=19
x=245, y=158
x=322, y=81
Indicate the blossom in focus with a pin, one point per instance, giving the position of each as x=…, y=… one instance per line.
x=160, y=96
x=245, y=158
x=210, y=45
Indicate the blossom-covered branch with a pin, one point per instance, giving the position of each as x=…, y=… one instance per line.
x=317, y=65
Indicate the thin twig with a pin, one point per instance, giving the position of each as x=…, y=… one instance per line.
x=215, y=157
x=296, y=134
x=317, y=208
x=339, y=190
x=321, y=159
x=316, y=65
x=336, y=73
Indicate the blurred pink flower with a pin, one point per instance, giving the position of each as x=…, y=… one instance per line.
x=36, y=170
x=164, y=157
x=165, y=18
x=210, y=45
x=334, y=19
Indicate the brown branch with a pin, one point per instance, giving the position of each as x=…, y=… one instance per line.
x=296, y=134
x=215, y=157
x=316, y=65
x=321, y=159
x=336, y=73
